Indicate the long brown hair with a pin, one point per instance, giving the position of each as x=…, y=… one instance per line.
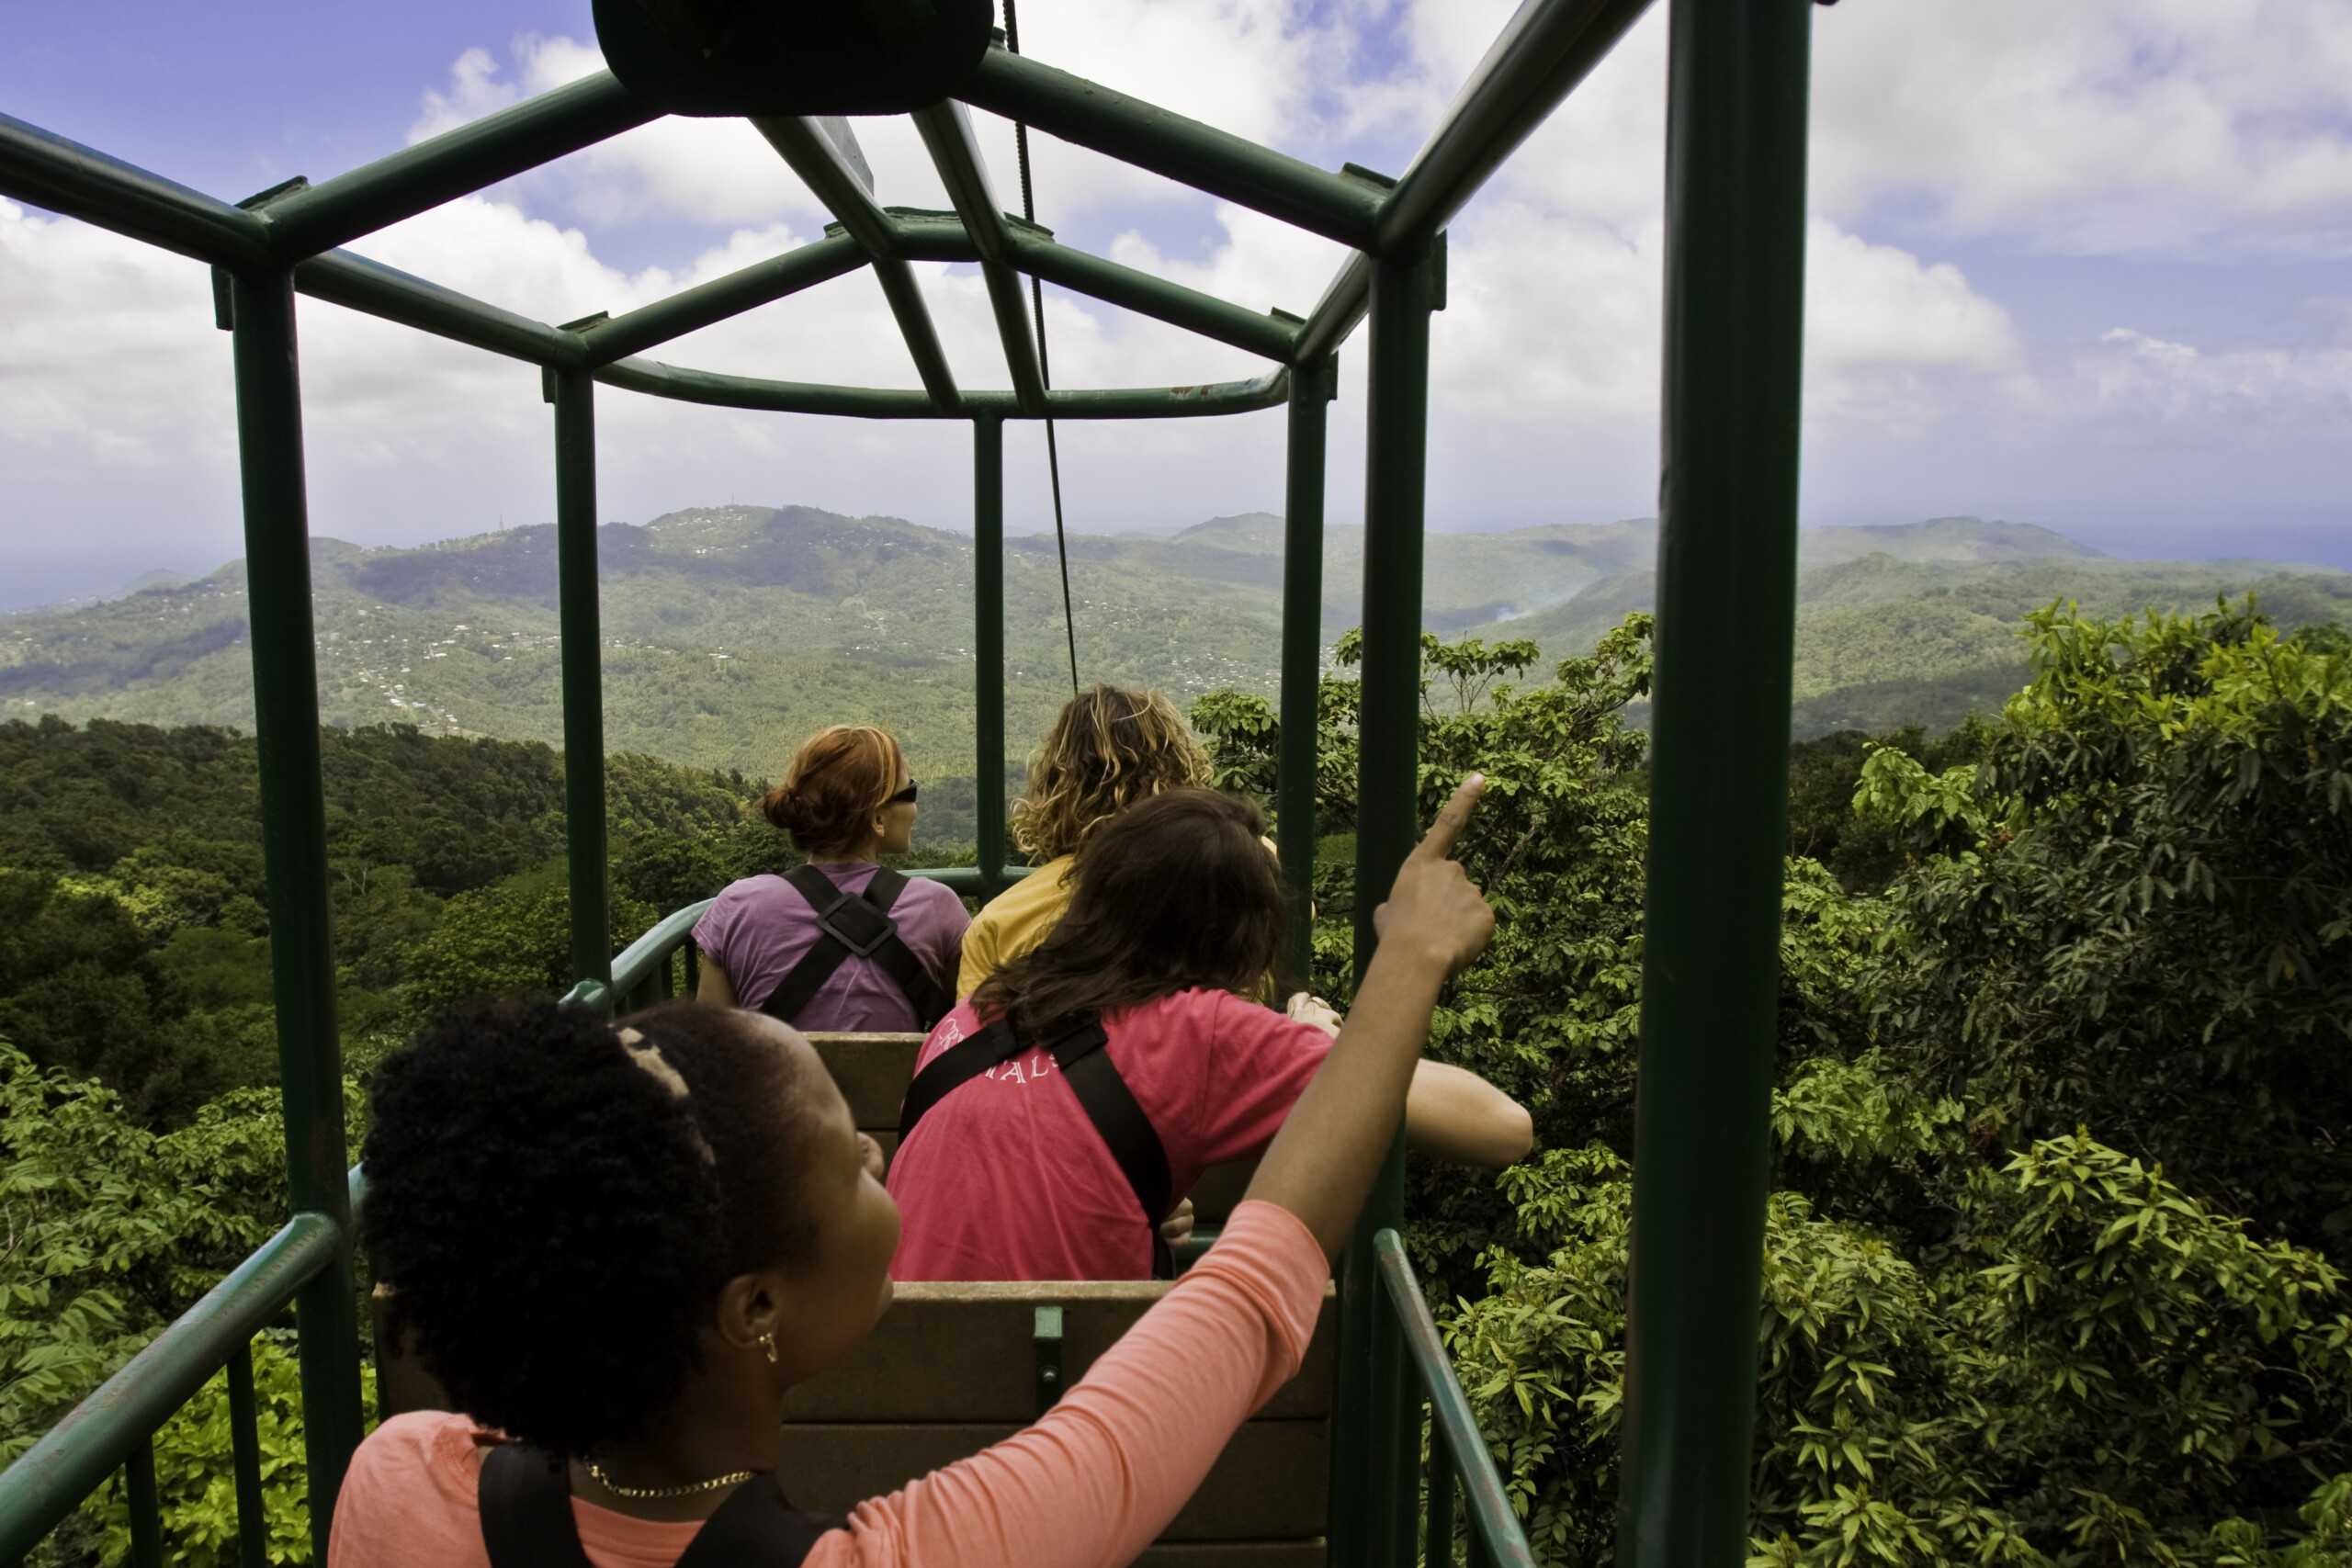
x=1175, y=892
x=1109, y=749
x=839, y=778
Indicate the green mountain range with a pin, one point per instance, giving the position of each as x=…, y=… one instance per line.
x=730, y=632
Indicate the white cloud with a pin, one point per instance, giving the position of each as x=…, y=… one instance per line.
x=1869, y=306
x=2134, y=378
x=2096, y=125
x=106, y=347
x=2156, y=127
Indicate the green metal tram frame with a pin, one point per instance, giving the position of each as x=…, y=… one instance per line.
x=1737, y=89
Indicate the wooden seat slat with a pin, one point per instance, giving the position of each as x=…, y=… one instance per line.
x=963, y=1353
x=872, y=1072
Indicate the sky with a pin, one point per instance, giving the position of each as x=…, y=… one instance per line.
x=2085, y=266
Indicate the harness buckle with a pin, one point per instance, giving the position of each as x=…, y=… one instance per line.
x=836, y=921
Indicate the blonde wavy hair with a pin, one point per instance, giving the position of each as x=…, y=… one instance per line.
x=1109, y=749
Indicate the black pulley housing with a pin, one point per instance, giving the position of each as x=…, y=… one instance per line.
x=793, y=57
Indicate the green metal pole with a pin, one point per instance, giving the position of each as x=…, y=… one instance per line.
x=574, y=396
x=1726, y=597
x=988, y=644
x=1311, y=387
x=294, y=851
x=1374, y=1443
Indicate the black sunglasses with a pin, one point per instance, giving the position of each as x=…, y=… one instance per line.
x=904, y=797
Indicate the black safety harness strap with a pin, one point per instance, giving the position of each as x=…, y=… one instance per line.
x=854, y=925
x=1102, y=1093
x=527, y=1510
x=526, y=1520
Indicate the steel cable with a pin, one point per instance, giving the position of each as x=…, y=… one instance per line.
x=1044, y=369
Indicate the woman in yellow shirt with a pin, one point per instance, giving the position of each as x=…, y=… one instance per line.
x=1109, y=749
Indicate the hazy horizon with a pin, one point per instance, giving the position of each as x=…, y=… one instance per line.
x=2087, y=268
x=2153, y=540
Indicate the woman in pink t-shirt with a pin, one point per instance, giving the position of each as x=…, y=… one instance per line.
x=618, y=1248
x=846, y=801
x=1176, y=920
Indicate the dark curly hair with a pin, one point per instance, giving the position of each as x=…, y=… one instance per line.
x=555, y=1221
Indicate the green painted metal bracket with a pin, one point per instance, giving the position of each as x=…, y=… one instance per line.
x=1208, y=400
x=1047, y=1342
x=593, y=995
x=1336, y=314
x=1490, y=1511
x=75, y=1457
x=1199, y=155
x=925, y=236
x=441, y=168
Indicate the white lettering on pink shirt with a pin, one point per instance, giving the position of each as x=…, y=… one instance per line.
x=1038, y=1062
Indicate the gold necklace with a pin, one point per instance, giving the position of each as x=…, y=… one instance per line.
x=640, y=1493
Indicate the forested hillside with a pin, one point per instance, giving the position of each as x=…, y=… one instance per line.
x=134, y=922
x=730, y=633
x=2056, y=1258
x=2055, y=1261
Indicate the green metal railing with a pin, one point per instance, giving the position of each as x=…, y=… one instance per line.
x=1737, y=83
x=115, y=1427
x=1458, y=1452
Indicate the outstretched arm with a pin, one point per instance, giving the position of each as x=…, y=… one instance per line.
x=1322, y=1162
x=1454, y=1115
x=1450, y=1112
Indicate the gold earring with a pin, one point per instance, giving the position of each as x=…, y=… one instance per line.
x=767, y=1342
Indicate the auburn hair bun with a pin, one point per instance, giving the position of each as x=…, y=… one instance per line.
x=838, y=779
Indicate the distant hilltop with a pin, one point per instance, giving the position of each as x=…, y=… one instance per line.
x=730, y=632
x=139, y=584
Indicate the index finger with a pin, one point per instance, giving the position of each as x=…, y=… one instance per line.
x=1438, y=841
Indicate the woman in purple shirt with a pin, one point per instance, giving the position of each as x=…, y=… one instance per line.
x=841, y=942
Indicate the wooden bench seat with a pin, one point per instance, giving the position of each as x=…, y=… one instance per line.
x=952, y=1367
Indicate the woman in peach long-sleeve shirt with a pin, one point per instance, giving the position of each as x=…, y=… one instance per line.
x=1092, y=1483
x=642, y=1318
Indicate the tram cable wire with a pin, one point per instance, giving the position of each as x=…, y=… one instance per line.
x=1045, y=370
